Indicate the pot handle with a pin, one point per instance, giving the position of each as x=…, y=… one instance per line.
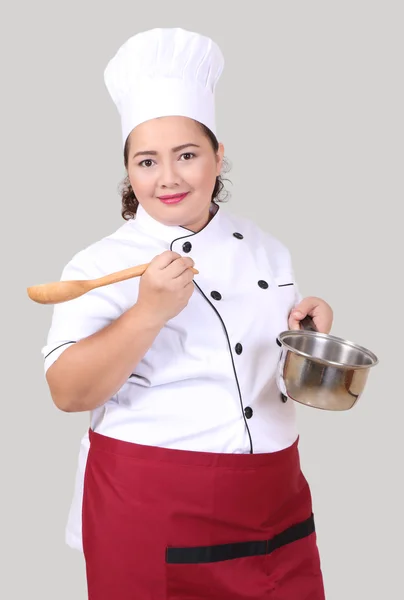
x=307, y=324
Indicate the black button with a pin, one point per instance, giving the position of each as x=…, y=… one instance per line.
x=263, y=284
x=187, y=246
x=284, y=398
x=216, y=295
x=237, y=235
x=239, y=348
x=248, y=411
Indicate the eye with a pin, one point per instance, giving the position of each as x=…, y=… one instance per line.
x=146, y=163
x=187, y=155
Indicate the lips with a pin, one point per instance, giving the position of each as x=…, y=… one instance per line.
x=172, y=198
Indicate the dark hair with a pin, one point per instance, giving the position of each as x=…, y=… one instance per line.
x=129, y=200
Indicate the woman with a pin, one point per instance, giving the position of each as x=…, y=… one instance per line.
x=189, y=482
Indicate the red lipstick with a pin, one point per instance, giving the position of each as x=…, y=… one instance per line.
x=172, y=198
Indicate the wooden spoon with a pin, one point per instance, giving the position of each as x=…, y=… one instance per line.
x=61, y=291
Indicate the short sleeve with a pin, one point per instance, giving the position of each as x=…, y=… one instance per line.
x=77, y=319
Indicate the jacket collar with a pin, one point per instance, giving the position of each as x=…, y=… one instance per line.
x=169, y=233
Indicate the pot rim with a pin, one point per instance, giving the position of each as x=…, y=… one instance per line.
x=331, y=363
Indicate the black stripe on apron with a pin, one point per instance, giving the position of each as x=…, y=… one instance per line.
x=210, y=554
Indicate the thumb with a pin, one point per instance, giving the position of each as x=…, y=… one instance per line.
x=295, y=317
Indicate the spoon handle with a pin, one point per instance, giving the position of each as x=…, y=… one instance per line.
x=119, y=276
x=123, y=275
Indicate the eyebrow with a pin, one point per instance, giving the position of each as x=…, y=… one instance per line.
x=176, y=149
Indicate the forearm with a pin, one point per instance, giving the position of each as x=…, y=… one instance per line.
x=91, y=371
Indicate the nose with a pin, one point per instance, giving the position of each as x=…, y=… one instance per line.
x=169, y=177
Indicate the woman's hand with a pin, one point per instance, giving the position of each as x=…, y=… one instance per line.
x=318, y=309
x=166, y=286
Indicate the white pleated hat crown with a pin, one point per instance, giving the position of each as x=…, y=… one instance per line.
x=165, y=72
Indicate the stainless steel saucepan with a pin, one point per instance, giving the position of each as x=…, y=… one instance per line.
x=321, y=370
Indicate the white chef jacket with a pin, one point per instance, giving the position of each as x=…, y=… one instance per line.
x=210, y=382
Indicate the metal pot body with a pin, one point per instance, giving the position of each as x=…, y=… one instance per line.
x=324, y=371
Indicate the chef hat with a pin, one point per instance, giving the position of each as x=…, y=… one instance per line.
x=164, y=72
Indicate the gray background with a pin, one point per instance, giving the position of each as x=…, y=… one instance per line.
x=310, y=109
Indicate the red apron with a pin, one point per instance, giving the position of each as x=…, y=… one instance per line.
x=164, y=524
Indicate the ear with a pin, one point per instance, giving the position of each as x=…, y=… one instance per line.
x=219, y=159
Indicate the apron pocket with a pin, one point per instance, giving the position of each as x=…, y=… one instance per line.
x=236, y=579
x=295, y=571
x=238, y=571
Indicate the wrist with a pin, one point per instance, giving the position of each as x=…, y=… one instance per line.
x=148, y=317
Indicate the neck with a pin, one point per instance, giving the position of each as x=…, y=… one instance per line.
x=202, y=221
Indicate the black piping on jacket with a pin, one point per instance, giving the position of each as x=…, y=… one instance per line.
x=57, y=348
x=228, y=342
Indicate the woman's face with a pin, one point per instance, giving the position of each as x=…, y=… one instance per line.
x=172, y=168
